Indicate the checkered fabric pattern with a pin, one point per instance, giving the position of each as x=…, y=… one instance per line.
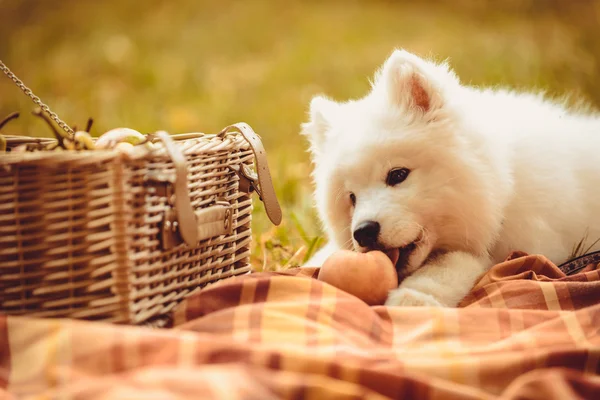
x=526, y=330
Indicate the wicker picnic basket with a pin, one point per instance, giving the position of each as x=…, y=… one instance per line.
x=124, y=238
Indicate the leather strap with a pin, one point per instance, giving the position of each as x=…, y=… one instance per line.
x=188, y=228
x=267, y=192
x=216, y=220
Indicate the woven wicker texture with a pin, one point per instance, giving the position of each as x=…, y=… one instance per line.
x=80, y=231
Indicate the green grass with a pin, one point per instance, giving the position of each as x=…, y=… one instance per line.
x=200, y=65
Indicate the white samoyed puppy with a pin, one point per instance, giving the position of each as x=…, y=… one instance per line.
x=448, y=179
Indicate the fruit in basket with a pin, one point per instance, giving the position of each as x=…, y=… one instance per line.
x=368, y=276
x=68, y=144
x=119, y=135
x=124, y=140
x=125, y=147
x=83, y=140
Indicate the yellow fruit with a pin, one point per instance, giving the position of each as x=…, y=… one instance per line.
x=68, y=144
x=84, y=140
x=111, y=138
x=124, y=146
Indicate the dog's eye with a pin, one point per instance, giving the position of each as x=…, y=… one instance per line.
x=353, y=198
x=396, y=176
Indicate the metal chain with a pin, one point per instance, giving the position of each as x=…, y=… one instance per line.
x=35, y=99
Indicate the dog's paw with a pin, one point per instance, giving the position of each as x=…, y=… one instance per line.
x=405, y=297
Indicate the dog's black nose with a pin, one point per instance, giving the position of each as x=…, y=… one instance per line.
x=367, y=233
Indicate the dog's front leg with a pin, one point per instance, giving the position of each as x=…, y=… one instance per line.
x=443, y=282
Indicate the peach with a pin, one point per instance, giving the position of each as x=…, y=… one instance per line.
x=368, y=276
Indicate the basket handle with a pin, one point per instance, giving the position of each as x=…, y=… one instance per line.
x=266, y=190
x=217, y=220
x=187, y=220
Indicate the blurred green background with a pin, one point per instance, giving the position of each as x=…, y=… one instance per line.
x=200, y=65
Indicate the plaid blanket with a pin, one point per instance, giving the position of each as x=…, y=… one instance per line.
x=526, y=330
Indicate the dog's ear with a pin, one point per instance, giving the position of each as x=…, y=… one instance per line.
x=321, y=111
x=414, y=84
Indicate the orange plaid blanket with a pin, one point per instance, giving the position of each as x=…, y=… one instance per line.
x=525, y=331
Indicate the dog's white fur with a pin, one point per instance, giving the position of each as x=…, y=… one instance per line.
x=491, y=171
